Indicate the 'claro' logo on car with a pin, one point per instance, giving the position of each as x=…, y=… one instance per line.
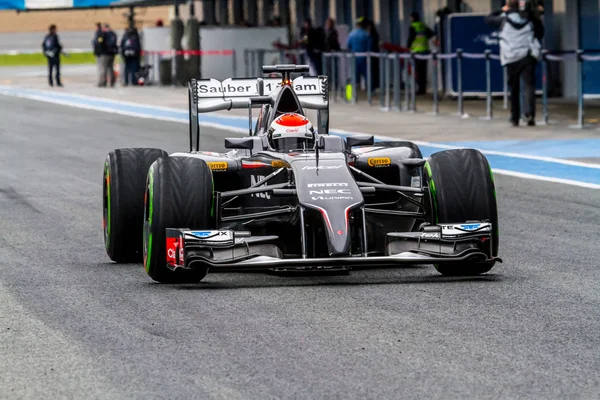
x=217, y=165
x=379, y=162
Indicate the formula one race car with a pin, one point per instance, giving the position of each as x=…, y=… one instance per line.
x=291, y=197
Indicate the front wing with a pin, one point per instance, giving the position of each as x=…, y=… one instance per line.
x=228, y=251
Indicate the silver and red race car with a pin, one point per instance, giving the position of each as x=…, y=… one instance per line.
x=317, y=203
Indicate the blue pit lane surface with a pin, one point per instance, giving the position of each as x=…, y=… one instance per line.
x=505, y=156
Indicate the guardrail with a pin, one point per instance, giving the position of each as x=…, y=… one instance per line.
x=396, y=76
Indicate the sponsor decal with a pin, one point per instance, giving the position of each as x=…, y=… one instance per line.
x=309, y=167
x=212, y=236
x=226, y=89
x=379, y=162
x=457, y=230
x=217, y=165
x=330, y=191
x=415, y=181
x=202, y=234
x=470, y=227
x=317, y=198
x=299, y=88
x=279, y=164
x=254, y=179
x=313, y=185
x=175, y=251
x=292, y=130
x=430, y=235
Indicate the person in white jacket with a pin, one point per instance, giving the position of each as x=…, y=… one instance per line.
x=521, y=32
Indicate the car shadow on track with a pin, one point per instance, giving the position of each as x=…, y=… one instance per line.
x=218, y=281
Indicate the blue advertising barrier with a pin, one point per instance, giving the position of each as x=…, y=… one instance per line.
x=473, y=35
x=22, y=5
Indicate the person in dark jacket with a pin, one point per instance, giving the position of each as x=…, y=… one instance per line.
x=332, y=42
x=131, y=49
x=111, y=43
x=374, y=48
x=313, y=42
x=52, y=49
x=520, y=48
x=99, y=48
x=418, y=42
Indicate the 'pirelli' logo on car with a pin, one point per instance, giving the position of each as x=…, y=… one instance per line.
x=217, y=165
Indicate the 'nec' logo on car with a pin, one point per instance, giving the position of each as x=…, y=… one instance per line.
x=470, y=227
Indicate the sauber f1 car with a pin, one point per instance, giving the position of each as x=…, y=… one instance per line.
x=291, y=197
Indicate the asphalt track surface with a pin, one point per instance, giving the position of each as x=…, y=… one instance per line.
x=75, y=325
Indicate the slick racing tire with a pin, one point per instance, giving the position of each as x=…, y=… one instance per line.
x=402, y=143
x=179, y=194
x=462, y=189
x=125, y=172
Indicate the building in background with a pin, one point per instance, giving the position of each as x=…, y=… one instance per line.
x=570, y=24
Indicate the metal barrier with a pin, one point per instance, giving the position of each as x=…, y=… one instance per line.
x=397, y=73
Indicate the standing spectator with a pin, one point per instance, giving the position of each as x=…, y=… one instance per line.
x=52, y=48
x=418, y=42
x=520, y=34
x=359, y=41
x=99, y=47
x=332, y=42
x=313, y=42
x=131, y=51
x=374, y=48
x=108, y=59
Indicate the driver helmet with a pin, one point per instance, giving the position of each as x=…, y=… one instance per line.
x=291, y=131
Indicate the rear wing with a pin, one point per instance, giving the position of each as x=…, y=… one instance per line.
x=208, y=95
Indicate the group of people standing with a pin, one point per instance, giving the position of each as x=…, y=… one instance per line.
x=318, y=40
x=106, y=46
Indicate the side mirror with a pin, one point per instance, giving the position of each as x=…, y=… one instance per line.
x=246, y=143
x=323, y=122
x=359, y=140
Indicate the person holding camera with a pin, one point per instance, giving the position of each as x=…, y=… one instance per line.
x=521, y=32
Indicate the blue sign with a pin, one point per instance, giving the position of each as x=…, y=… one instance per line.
x=472, y=34
x=590, y=41
x=40, y=5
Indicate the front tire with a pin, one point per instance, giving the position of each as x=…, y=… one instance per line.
x=179, y=194
x=125, y=172
x=462, y=189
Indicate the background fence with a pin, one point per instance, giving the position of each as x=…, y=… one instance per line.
x=396, y=78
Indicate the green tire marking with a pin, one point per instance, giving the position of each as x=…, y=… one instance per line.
x=432, y=190
x=150, y=212
x=107, y=181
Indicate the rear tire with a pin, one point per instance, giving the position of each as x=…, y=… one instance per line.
x=462, y=189
x=125, y=172
x=179, y=194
